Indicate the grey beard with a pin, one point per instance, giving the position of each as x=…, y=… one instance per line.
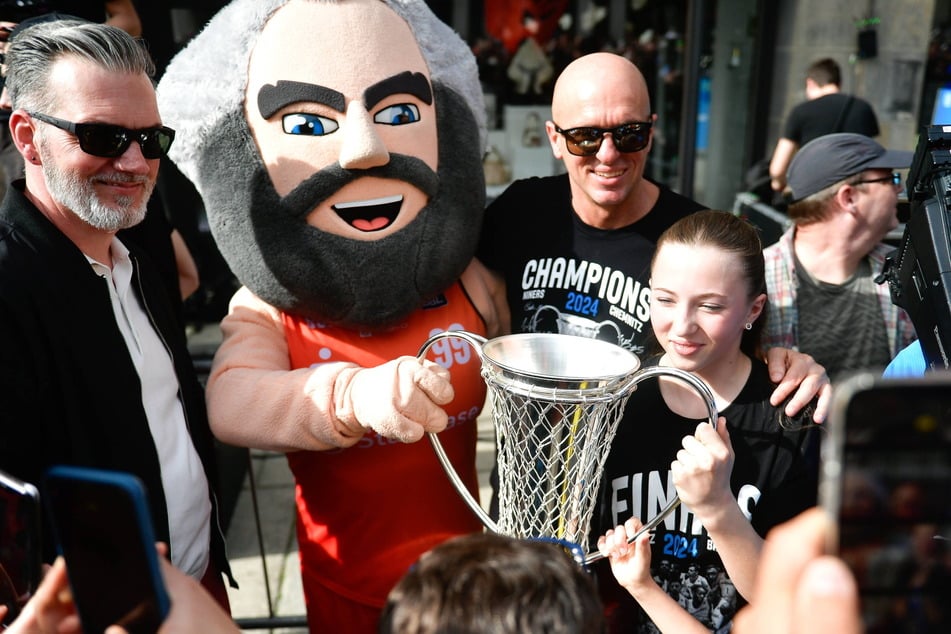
x=79, y=196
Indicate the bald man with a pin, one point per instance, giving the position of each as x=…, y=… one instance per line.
x=574, y=250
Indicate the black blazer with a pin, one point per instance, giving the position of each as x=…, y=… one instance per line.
x=69, y=392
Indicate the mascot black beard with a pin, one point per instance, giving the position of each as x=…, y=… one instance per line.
x=337, y=146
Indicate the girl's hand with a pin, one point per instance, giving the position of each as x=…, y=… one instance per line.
x=630, y=563
x=702, y=471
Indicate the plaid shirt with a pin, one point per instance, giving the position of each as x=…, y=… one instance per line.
x=782, y=327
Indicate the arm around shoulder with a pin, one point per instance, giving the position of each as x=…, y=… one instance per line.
x=486, y=289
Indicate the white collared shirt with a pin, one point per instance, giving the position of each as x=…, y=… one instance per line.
x=183, y=478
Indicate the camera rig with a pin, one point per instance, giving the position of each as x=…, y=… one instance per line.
x=918, y=272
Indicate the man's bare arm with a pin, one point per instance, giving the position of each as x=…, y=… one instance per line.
x=782, y=155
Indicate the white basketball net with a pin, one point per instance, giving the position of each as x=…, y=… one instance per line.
x=551, y=453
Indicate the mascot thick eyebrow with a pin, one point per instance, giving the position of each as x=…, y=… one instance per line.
x=337, y=146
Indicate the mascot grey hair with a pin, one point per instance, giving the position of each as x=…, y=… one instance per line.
x=265, y=238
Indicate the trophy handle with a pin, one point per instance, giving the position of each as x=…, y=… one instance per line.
x=476, y=341
x=703, y=390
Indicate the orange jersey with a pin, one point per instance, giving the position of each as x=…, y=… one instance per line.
x=366, y=513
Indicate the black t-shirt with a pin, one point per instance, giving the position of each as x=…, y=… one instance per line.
x=774, y=478
x=817, y=117
x=562, y=275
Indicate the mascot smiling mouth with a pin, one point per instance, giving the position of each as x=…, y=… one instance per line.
x=370, y=215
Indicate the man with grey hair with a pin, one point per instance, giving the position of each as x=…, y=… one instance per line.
x=820, y=274
x=94, y=368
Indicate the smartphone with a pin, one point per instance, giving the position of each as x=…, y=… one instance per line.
x=103, y=529
x=20, y=549
x=886, y=479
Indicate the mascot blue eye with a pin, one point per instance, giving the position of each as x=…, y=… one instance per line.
x=399, y=114
x=308, y=124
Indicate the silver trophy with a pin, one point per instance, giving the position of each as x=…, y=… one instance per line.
x=557, y=400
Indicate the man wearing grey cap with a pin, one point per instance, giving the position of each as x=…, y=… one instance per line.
x=820, y=274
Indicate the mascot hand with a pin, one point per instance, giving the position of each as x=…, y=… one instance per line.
x=400, y=399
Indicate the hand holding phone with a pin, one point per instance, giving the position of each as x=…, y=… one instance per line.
x=886, y=479
x=104, y=532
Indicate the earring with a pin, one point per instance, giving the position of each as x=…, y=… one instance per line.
x=748, y=326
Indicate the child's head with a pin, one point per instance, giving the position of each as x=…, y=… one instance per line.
x=488, y=583
x=708, y=289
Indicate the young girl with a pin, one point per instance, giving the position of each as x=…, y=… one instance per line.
x=755, y=470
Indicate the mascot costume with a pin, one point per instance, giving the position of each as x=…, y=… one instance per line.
x=337, y=145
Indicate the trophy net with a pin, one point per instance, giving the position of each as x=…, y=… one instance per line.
x=557, y=401
x=551, y=452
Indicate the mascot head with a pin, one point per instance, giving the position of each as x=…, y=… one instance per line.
x=337, y=145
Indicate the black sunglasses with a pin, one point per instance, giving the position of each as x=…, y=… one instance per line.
x=630, y=137
x=894, y=178
x=110, y=141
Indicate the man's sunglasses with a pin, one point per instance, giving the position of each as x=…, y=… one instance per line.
x=630, y=137
x=110, y=141
x=894, y=178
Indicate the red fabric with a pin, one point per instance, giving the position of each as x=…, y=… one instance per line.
x=503, y=20
x=366, y=513
x=324, y=606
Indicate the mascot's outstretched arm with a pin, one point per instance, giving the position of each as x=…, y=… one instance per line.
x=337, y=146
x=255, y=399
